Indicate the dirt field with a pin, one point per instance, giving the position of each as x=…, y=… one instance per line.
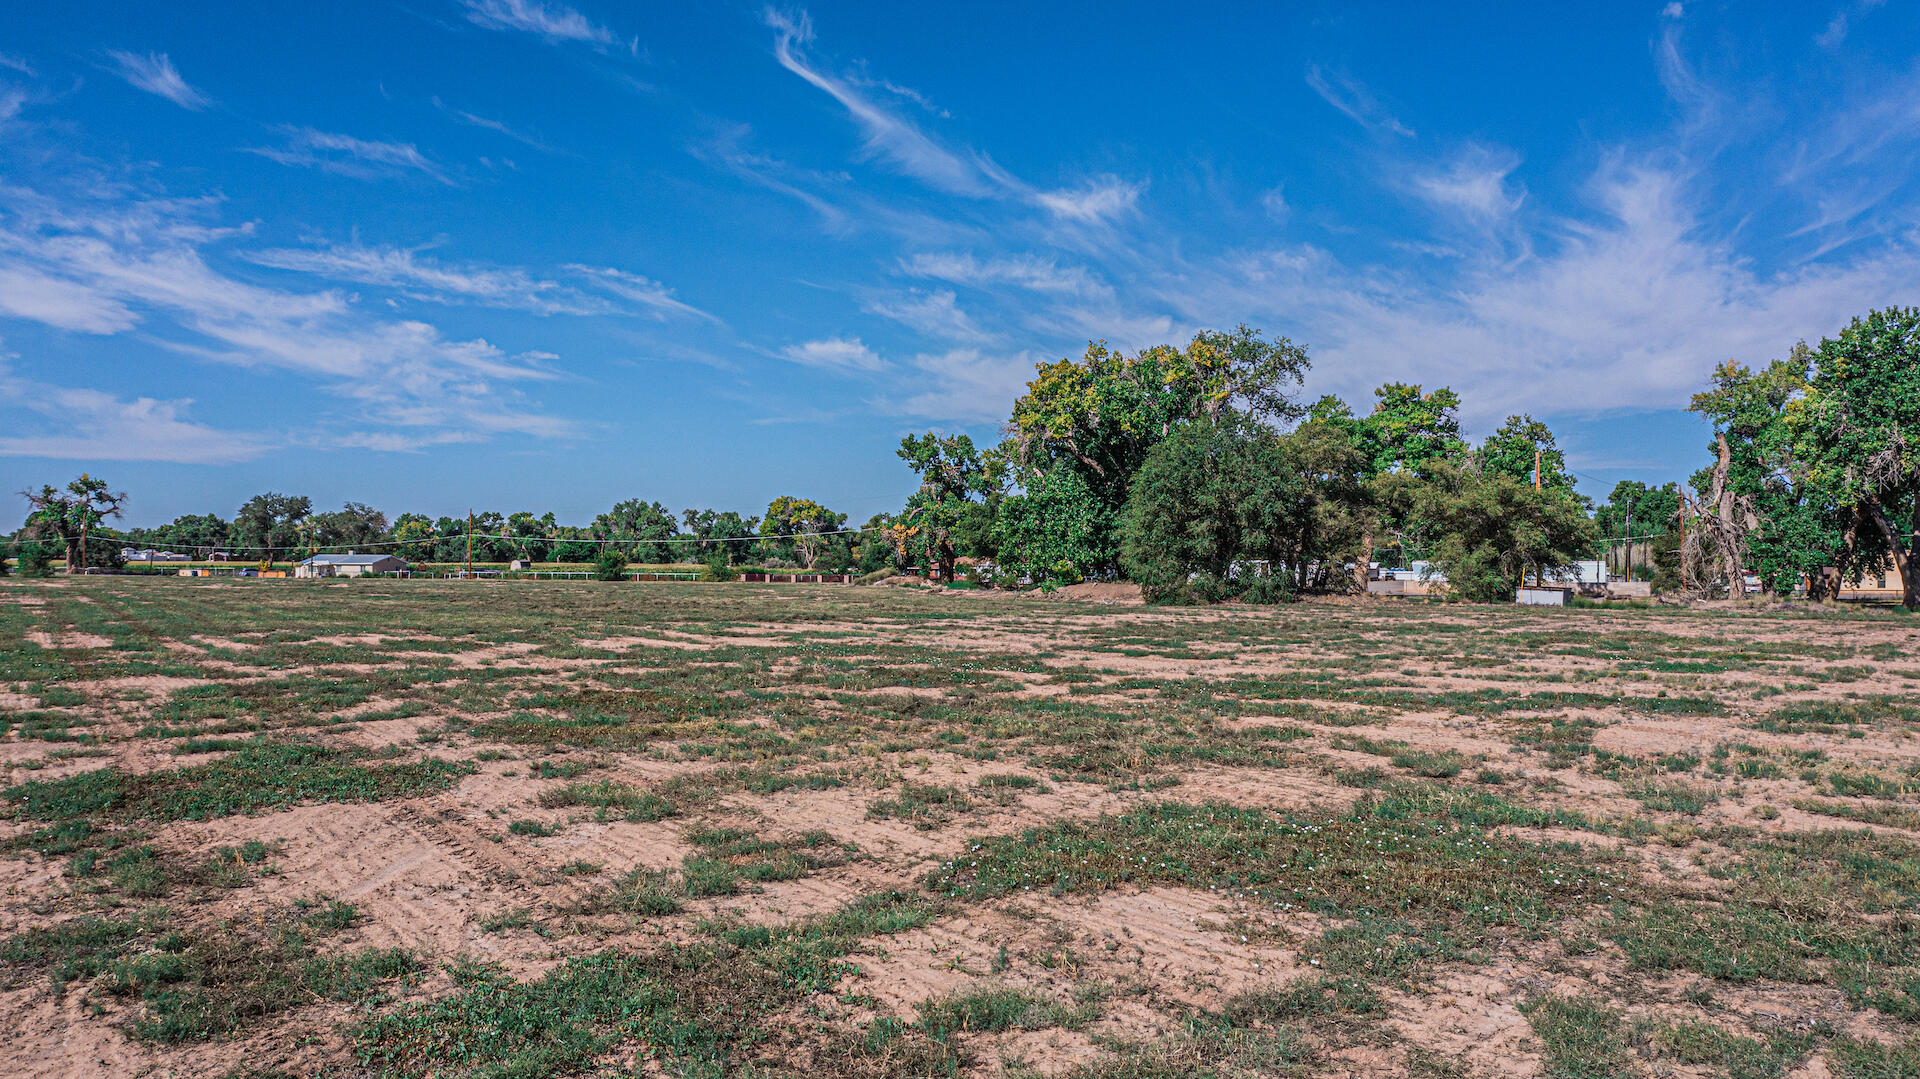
x=492, y=829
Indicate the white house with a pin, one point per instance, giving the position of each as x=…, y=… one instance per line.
x=349, y=565
x=129, y=554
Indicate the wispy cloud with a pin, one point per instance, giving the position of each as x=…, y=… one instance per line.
x=1835, y=34
x=652, y=295
x=1347, y=94
x=1101, y=199
x=555, y=22
x=1026, y=271
x=965, y=384
x=405, y=268
x=15, y=63
x=1274, y=202
x=901, y=144
x=104, y=264
x=1629, y=311
x=834, y=354
x=345, y=155
x=33, y=294
x=889, y=137
x=934, y=314
x=89, y=425
x=728, y=149
x=155, y=73
x=497, y=126
x=1474, y=184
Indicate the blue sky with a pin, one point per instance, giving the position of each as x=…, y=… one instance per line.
x=514, y=255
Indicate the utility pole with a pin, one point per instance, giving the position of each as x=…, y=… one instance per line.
x=1538, y=579
x=1629, y=539
x=469, y=542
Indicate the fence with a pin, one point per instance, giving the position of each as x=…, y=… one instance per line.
x=797, y=578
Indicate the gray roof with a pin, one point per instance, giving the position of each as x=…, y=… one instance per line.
x=349, y=559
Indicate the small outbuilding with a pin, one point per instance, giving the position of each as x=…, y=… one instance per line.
x=349, y=565
x=1529, y=596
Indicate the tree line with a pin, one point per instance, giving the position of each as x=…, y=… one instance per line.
x=796, y=532
x=1201, y=474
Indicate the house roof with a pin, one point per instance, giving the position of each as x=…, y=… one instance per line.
x=348, y=559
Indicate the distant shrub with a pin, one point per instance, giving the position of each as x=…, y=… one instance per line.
x=610, y=564
x=36, y=559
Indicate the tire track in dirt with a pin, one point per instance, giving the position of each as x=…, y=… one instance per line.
x=493, y=862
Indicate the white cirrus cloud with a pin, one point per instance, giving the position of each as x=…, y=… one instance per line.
x=33, y=294
x=1351, y=97
x=103, y=263
x=1630, y=309
x=889, y=137
x=555, y=22
x=1032, y=272
x=657, y=298
x=834, y=354
x=934, y=314
x=89, y=425
x=1474, y=183
x=509, y=288
x=345, y=155
x=155, y=73
x=965, y=384
x=1098, y=200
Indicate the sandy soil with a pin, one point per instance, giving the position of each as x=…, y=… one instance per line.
x=429, y=873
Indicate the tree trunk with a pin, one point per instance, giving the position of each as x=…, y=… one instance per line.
x=1362, y=560
x=1906, y=556
x=76, y=552
x=1727, y=529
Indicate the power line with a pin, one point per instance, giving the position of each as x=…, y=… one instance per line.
x=229, y=547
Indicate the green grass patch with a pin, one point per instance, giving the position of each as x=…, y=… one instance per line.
x=259, y=776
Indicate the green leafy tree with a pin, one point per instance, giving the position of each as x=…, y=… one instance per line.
x=197, y=534
x=1487, y=531
x=880, y=544
x=1409, y=431
x=531, y=537
x=640, y=530
x=720, y=535
x=1858, y=429
x=1766, y=510
x=1637, y=510
x=1330, y=514
x=800, y=526
x=1211, y=502
x=1056, y=531
x=71, y=512
x=269, y=524
x=951, y=474
x=1514, y=449
x=414, y=537
x=1635, y=514
x=1101, y=415
x=356, y=525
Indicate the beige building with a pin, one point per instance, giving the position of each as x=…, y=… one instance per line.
x=349, y=565
x=1875, y=586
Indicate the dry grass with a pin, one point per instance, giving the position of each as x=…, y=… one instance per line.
x=463, y=828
